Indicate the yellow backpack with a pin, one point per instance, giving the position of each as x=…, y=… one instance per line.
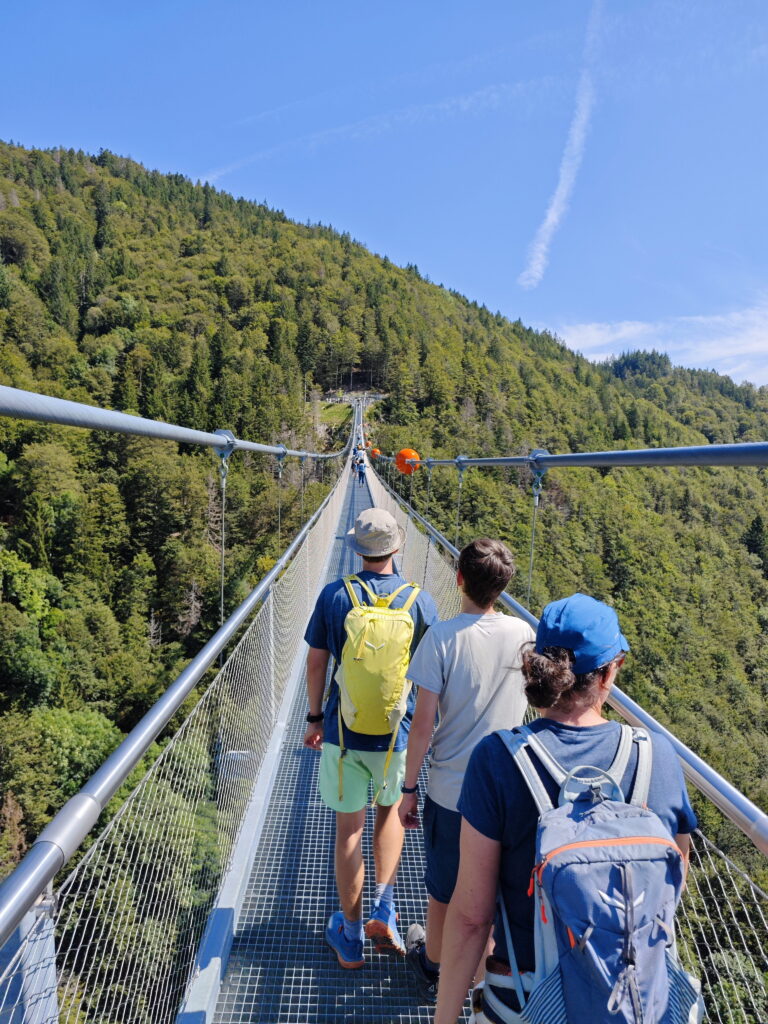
x=373, y=690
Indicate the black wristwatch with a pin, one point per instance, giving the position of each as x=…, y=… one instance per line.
x=409, y=789
x=315, y=718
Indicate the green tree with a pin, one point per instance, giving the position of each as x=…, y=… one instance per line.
x=48, y=754
x=756, y=541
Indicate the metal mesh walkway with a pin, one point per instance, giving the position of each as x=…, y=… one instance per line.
x=280, y=969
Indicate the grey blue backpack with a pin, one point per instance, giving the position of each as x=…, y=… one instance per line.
x=607, y=881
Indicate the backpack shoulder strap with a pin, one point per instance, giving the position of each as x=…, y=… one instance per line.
x=409, y=600
x=515, y=741
x=411, y=597
x=351, y=591
x=548, y=760
x=517, y=982
x=639, y=794
x=621, y=760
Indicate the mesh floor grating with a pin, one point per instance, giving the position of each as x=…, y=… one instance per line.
x=280, y=970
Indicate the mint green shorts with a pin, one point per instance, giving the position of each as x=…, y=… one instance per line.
x=358, y=769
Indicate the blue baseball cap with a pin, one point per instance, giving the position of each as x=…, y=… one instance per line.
x=585, y=626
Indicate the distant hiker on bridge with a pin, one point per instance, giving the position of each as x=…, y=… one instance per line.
x=602, y=811
x=360, y=471
x=370, y=624
x=469, y=670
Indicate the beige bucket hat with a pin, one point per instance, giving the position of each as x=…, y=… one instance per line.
x=375, y=534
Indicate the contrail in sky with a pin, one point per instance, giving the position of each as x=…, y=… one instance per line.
x=492, y=97
x=538, y=253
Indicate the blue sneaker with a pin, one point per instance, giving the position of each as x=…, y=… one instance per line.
x=382, y=929
x=349, y=951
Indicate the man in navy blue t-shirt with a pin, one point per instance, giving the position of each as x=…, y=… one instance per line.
x=376, y=537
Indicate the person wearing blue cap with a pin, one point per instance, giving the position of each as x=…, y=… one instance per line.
x=568, y=673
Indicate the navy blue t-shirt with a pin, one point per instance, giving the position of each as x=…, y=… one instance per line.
x=496, y=801
x=326, y=632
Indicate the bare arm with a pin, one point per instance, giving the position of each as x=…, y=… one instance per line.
x=419, y=736
x=683, y=841
x=470, y=916
x=317, y=668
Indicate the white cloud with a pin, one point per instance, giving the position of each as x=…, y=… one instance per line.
x=538, y=252
x=734, y=343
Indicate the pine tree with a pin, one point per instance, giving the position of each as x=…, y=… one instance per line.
x=756, y=541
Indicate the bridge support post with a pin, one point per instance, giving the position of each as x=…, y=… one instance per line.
x=29, y=992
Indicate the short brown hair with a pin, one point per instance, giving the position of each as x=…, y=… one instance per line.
x=378, y=559
x=487, y=567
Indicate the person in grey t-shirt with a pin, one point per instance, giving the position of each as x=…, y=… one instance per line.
x=468, y=670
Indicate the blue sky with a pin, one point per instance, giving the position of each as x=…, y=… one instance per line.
x=595, y=167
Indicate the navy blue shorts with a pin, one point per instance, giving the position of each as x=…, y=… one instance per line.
x=441, y=829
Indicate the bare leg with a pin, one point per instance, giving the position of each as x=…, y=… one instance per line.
x=387, y=847
x=387, y=843
x=435, y=920
x=350, y=870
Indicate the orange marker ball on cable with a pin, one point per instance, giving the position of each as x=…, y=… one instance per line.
x=402, y=465
x=375, y=453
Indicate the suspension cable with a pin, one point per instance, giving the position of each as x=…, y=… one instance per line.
x=538, y=479
x=429, y=491
x=223, y=473
x=303, y=479
x=279, y=499
x=461, y=468
x=428, y=545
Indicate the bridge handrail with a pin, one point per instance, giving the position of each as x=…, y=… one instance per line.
x=28, y=405
x=66, y=831
x=724, y=795
x=748, y=453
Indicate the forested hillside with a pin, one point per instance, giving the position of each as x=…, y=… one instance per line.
x=143, y=292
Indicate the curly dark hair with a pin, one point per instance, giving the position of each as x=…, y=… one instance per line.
x=550, y=681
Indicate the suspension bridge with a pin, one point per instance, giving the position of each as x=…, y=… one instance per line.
x=204, y=898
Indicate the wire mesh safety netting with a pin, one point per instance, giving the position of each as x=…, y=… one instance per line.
x=116, y=942
x=722, y=922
